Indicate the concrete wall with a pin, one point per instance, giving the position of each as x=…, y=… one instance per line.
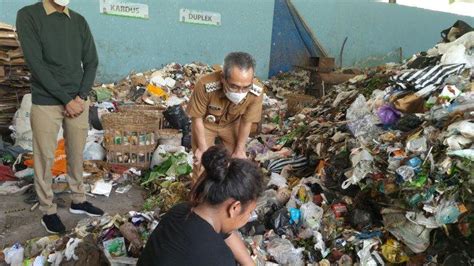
x=375, y=30
x=126, y=44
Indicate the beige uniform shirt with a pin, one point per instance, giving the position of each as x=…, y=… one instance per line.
x=209, y=102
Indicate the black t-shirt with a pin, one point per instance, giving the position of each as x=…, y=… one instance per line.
x=184, y=238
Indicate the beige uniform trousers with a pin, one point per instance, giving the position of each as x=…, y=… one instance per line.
x=46, y=121
x=228, y=135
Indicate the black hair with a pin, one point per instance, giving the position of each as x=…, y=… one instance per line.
x=241, y=60
x=226, y=178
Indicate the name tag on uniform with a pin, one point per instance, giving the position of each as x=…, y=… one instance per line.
x=214, y=107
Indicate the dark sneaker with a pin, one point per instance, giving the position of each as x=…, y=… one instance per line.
x=53, y=224
x=86, y=208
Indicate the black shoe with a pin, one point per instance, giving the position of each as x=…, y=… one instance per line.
x=85, y=208
x=53, y=224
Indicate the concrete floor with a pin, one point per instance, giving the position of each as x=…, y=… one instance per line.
x=23, y=224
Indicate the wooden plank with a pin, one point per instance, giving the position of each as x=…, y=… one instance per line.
x=335, y=78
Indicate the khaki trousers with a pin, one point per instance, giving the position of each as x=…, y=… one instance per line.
x=46, y=120
x=228, y=135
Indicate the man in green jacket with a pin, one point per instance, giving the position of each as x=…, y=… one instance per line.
x=59, y=50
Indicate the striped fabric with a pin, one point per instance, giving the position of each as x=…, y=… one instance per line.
x=297, y=163
x=432, y=75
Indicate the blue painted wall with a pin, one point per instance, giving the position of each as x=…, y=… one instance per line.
x=126, y=44
x=375, y=30
x=288, y=48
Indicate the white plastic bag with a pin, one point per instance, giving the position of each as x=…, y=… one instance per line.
x=93, y=151
x=21, y=125
x=312, y=215
x=14, y=255
x=457, y=54
x=284, y=252
x=162, y=149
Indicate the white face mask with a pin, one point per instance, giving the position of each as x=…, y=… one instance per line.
x=236, y=97
x=62, y=2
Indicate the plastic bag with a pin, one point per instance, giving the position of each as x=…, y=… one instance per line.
x=457, y=142
x=415, y=236
x=279, y=221
x=458, y=54
x=392, y=251
x=406, y=172
x=93, y=151
x=300, y=194
x=358, y=109
x=447, y=212
x=388, y=115
x=362, y=165
x=365, y=127
x=283, y=251
x=449, y=93
x=312, y=215
x=295, y=216
x=362, y=121
x=14, y=255
x=60, y=163
x=277, y=180
x=23, y=134
x=466, y=153
x=417, y=145
x=367, y=256
x=163, y=149
x=177, y=117
x=465, y=128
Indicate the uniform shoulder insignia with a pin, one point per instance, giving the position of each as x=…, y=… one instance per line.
x=213, y=86
x=257, y=90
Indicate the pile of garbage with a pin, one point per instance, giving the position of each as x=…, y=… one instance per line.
x=171, y=85
x=284, y=83
x=379, y=170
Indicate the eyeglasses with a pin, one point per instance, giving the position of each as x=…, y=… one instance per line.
x=234, y=88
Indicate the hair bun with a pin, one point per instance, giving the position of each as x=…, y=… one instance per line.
x=216, y=160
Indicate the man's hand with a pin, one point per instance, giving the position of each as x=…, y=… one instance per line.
x=239, y=154
x=75, y=107
x=198, y=155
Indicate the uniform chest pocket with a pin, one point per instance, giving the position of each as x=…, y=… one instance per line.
x=237, y=110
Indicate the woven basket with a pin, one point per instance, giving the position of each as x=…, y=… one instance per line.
x=170, y=137
x=296, y=102
x=150, y=110
x=130, y=138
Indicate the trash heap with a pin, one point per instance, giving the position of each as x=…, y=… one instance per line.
x=14, y=74
x=284, y=83
x=168, y=86
x=379, y=170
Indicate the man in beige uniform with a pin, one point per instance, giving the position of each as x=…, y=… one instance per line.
x=225, y=104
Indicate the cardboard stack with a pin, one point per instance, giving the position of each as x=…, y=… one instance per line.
x=14, y=74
